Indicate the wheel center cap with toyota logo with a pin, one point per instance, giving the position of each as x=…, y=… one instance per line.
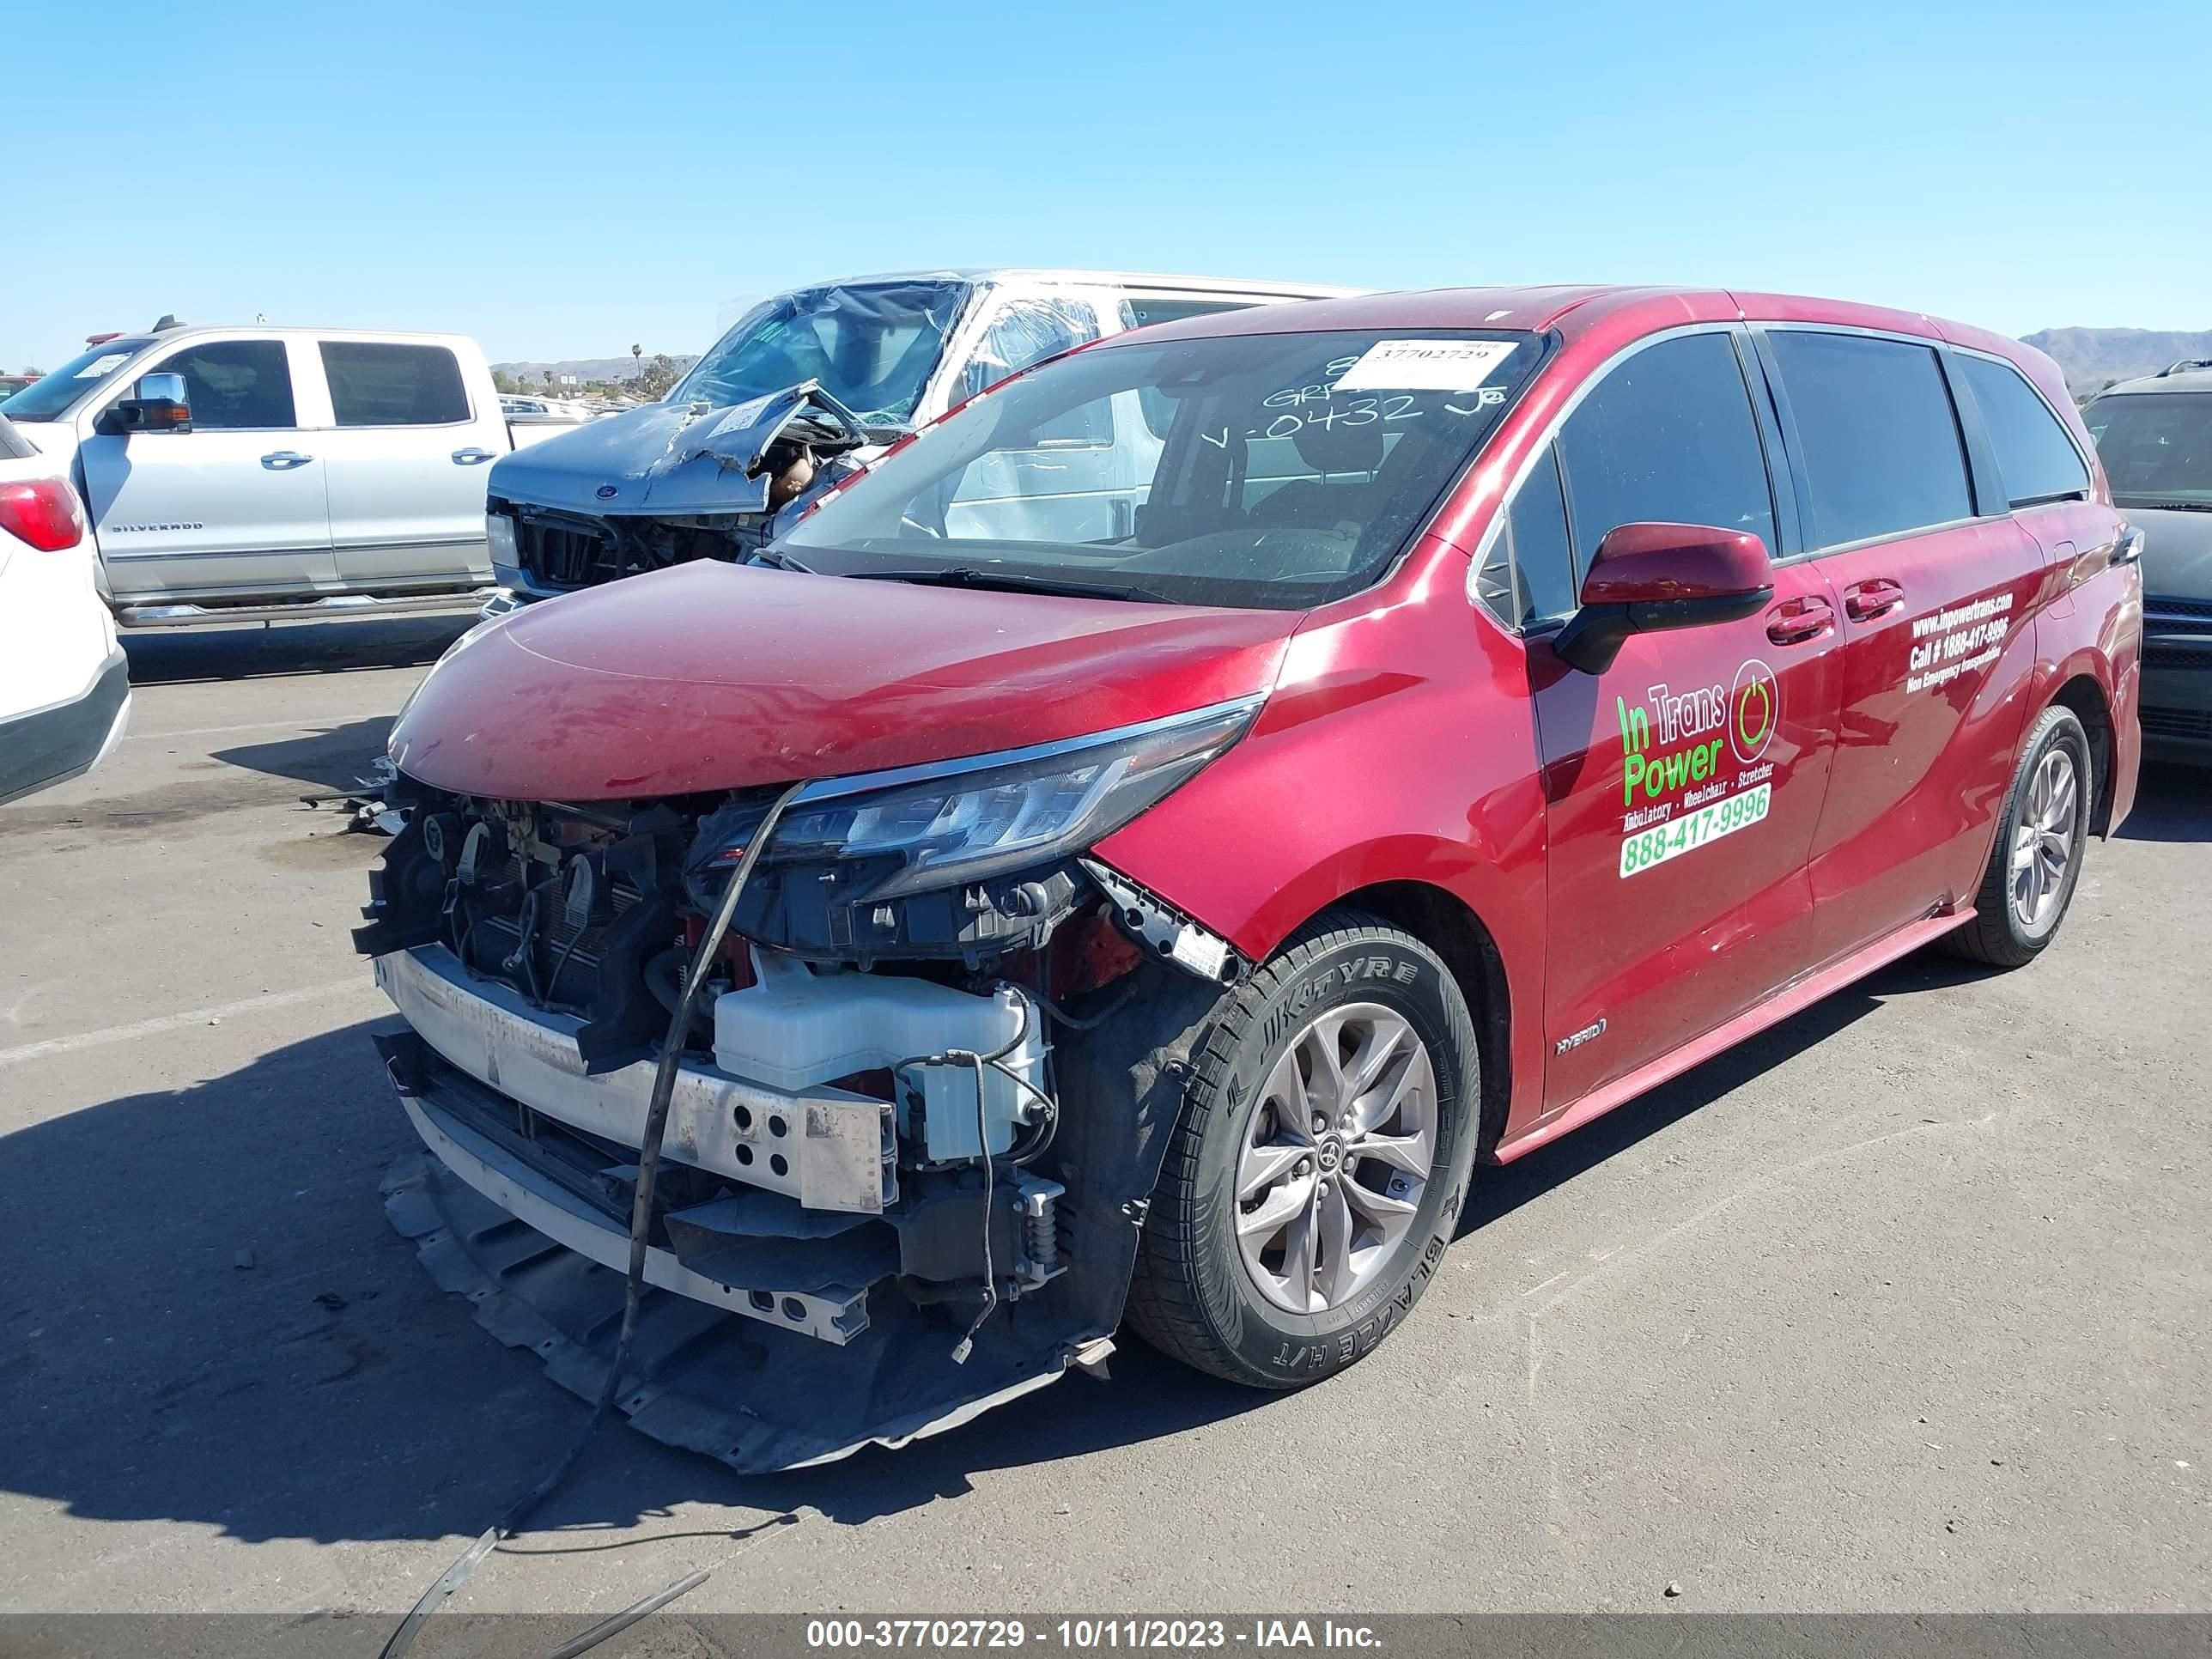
x=1328, y=1155
x=1754, y=710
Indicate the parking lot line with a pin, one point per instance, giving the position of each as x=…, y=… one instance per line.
x=293, y=725
x=172, y=1022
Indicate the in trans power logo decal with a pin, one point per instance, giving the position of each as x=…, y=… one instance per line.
x=1692, y=766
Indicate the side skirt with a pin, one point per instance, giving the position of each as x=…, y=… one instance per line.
x=1790, y=1000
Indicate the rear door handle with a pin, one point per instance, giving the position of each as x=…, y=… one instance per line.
x=283, y=460
x=472, y=457
x=1799, y=621
x=1876, y=597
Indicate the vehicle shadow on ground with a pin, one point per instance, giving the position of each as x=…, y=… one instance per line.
x=334, y=761
x=170, y=656
x=324, y=1388
x=208, y=1319
x=2173, y=803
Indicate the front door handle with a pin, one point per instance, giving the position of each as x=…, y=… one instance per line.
x=283, y=460
x=1800, y=621
x=1876, y=597
x=472, y=457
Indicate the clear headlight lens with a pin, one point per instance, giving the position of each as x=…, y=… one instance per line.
x=499, y=531
x=962, y=820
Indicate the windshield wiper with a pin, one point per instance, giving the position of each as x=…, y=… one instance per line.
x=775, y=561
x=2170, y=507
x=962, y=575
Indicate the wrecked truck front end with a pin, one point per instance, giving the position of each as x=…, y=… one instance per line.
x=665, y=485
x=800, y=394
x=905, y=1162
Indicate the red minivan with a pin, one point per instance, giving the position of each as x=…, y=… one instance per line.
x=1137, y=848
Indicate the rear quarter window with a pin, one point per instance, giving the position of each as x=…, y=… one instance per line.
x=2035, y=457
x=376, y=384
x=1878, y=442
x=14, y=446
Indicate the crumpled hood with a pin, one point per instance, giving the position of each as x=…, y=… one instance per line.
x=2177, y=557
x=669, y=459
x=710, y=676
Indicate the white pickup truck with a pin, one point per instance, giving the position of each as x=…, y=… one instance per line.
x=256, y=474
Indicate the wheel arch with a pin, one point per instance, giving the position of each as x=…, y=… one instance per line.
x=1445, y=923
x=2084, y=695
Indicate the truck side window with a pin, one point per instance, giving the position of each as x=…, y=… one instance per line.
x=236, y=383
x=1528, y=576
x=1026, y=331
x=375, y=384
x=1667, y=437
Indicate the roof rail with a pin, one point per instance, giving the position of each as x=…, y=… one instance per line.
x=2185, y=366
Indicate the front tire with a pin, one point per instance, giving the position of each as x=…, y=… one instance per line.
x=2041, y=837
x=1321, y=1164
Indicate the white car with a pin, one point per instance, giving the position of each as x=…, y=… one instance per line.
x=64, y=685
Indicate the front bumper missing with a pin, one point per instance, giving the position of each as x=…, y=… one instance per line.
x=755, y=1398
x=776, y=1332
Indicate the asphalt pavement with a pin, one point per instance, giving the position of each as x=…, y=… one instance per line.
x=1902, y=1306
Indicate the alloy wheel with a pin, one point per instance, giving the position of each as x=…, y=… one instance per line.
x=2043, y=839
x=1336, y=1159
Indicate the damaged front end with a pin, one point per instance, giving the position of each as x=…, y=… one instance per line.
x=669, y=483
x=915, y=1118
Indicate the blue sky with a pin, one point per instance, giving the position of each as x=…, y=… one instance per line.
x=562, y=179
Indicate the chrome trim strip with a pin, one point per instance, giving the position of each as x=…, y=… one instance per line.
x=331, y=607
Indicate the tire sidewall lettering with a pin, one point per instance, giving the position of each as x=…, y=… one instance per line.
x=1301, y=1349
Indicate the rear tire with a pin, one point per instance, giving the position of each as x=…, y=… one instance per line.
x=2041, y=837
x=1321, y=1164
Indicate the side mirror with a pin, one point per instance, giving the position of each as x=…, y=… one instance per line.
x=1647, y=578
x=159, y=405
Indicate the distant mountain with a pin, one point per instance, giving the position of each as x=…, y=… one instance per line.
x=591, y=368
x=2095, y=357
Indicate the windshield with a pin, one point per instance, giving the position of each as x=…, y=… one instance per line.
x=2156, y=447
x=873, y=348
x=1289, y=469
x=47, y=398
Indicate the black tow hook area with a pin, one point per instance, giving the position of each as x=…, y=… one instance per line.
x=406, y=1061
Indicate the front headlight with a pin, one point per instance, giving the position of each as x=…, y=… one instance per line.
x=955, y=821
x=499, y=531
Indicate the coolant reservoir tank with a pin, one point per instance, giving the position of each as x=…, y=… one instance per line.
x=794, y=1029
